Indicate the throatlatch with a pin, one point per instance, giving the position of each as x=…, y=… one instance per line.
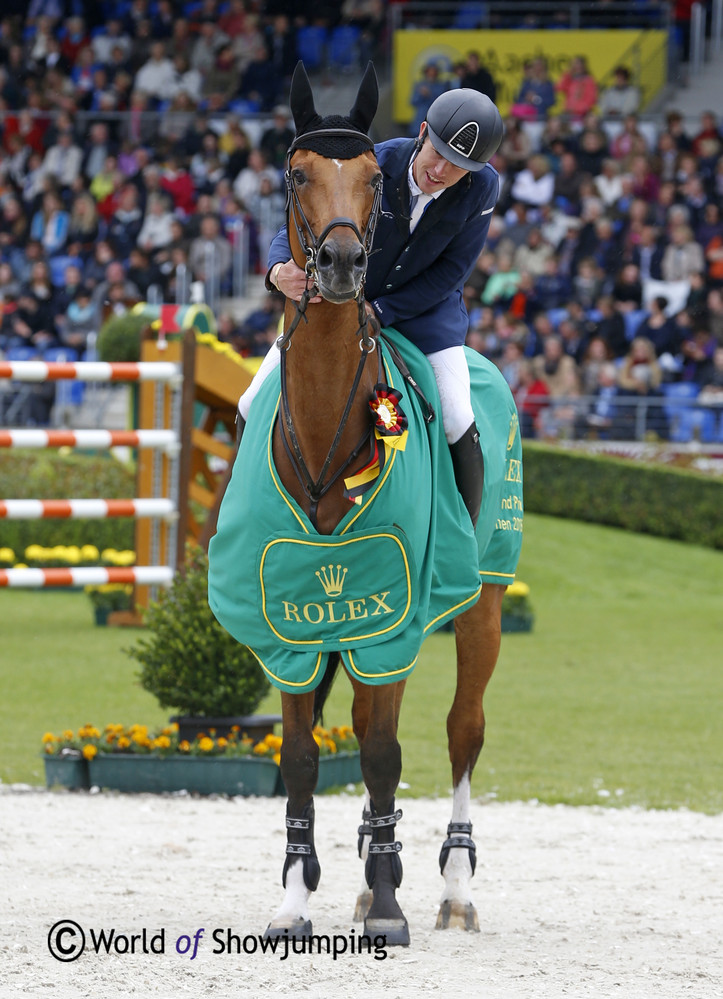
x=459, y=836
x=382, y=829
x=300, y=844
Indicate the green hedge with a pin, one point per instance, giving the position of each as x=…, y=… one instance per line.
x=51, y=475
x=649, y=499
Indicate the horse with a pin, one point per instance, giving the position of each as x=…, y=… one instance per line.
x=320, y=440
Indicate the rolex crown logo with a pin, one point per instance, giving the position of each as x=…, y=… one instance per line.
x=332, y=579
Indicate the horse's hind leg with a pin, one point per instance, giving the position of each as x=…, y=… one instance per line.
x=376, y=716
x=299, y=768
x=478, y=645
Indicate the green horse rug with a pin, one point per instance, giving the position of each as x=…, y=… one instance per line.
x=402, y=562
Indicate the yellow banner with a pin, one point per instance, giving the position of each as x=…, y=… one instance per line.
x=503, y=53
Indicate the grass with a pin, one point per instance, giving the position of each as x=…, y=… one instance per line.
x=613, y=699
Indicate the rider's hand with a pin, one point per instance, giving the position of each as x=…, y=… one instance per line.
x=291, y=281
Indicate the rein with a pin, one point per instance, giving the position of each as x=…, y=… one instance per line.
x=315, y=489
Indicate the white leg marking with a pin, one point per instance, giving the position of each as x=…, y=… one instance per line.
x=458, y=869
x=295, y=905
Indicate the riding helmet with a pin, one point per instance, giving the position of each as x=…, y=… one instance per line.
x=465, y=127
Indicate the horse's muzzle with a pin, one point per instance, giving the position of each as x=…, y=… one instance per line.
x=340, y=269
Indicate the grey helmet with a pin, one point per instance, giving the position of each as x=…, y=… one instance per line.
x=465, y=127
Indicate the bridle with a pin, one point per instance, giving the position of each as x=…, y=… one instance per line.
x=310, y=243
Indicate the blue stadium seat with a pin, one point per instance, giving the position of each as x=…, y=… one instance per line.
x=469, y=16
x=57, y=268
x=687, y=421
x=344, y=47
x=67, y=393
x=311, y=42
x=633, y=320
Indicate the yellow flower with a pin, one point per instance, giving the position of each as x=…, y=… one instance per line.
x=205, y=745
x=89, y=752
x=7, y=555
x=273, y=741
x=518, y=589
x=68, y=733
x=184, y=746
x=330, y=745
x=277, y=759
x=221, y=742
x=124, y=742
x=89, y=553
x=35, y=553
x=162, y=742
x=48, y=737
x=261, y=749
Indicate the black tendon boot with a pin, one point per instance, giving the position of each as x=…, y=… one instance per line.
x=469, y=473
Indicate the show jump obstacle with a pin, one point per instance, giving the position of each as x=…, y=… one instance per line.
x=178, y=380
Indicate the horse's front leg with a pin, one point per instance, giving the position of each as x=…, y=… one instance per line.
x=300, y=769
x=478, y=645
x=381, y=762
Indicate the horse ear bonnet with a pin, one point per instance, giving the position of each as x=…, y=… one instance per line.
x=309, y=124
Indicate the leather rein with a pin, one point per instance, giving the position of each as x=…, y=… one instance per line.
x=315, y=489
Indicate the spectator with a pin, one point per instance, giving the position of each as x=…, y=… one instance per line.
x=210, y=253
x=536, y=95
x=78, y=321
x=532, y=257
x=221, y=81
x=630, y=142
x=99, y=147
x=610, y=327
x=622, y=97
x=50, y=224
x=534, y=186
x=157, y=77
x=641, y=375
x=578, y=88
x=424, y=92
x=247, y=185
x=259, y=84
x=125, y=223
x=697, y=351
x=208, y=43
x=568, y=183
x=515, y=146
x=276, y=139
x=502, y=284
x=186, y=80
x=83, y=224
x=558, y=371
x=112, y=36
x=63, y=160
x=683, y=256
x=280, y=39
x=659, y=329
x=114, y=290
x=628, y=289
x=478, y=77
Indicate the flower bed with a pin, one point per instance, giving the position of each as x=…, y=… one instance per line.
x=135, y=760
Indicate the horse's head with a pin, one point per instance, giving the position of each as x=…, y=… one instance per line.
x=333, y=189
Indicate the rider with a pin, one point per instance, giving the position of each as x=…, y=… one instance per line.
x=439, y=192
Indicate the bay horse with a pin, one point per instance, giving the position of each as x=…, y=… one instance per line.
x=330, y=368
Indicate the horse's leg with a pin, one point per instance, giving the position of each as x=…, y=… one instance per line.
x=478, y=645
x=376, y=716
x=300, y=769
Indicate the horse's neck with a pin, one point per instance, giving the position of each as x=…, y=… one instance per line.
x=321, y=364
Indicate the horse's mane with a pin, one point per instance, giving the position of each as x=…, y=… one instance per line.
x=340, y=147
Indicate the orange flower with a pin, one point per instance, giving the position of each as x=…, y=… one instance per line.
x=89, y=752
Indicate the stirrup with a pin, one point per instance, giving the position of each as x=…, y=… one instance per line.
x=459, y=836
x=304, y=850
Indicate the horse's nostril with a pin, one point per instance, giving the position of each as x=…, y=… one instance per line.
x=359, y=257
x=325, y=257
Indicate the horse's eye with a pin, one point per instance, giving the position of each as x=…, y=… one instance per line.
x=298, y=176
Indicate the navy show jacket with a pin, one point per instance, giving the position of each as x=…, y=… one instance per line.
x=415, y=282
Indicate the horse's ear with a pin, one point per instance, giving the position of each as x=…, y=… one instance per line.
x=301, y=100
x=367, y=100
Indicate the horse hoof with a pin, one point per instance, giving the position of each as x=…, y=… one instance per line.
x=394, y=931
x=363, y=905
x=300, y=929
x=457, y=915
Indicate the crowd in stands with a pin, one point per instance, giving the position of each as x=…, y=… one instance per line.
x=600, y=289
x=126, y=160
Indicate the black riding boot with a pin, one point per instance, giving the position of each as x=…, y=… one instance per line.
x=469, y=473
